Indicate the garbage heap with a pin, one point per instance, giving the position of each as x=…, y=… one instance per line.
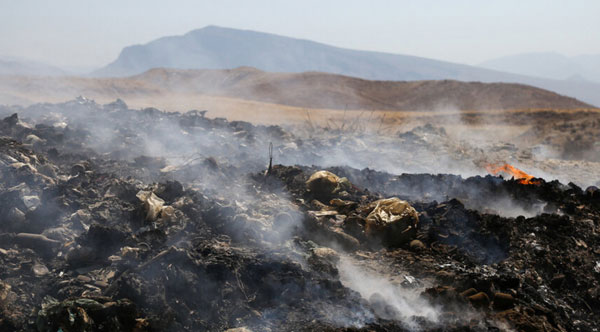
x=106, y=227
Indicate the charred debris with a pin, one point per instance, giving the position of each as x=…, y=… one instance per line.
x=141, y=220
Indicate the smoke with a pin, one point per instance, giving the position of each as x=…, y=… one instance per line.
x=472, y=137
x=222, y=159
x=388, y=300
x=507, y=207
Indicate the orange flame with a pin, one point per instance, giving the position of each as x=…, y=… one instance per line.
x=510, y=170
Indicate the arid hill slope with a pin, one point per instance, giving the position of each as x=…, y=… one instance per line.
x=215, y=47
x=309, y=90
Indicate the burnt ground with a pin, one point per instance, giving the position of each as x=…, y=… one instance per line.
x=122, y=220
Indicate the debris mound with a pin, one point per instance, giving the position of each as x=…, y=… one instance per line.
x=196, y=235
x=393, y=219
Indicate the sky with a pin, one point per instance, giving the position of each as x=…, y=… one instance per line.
x=90, y=33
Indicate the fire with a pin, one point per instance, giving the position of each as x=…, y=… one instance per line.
x=510, y=170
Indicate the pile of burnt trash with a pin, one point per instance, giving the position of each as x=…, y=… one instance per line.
x=159, y=139
x=103, y=229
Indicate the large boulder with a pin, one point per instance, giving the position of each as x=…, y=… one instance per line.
x=393, y=220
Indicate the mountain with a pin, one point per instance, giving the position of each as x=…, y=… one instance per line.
x=314, y=90
x=221, y=48
x=549, y=65
x=17, y=66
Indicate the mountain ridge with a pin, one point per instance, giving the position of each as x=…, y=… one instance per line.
x=206, y=37
x=216, y=47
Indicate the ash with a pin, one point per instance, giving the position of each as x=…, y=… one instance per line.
x=116, y=219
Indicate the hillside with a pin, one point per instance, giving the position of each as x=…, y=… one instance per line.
x=223, y=48
x=321, y=90
x=309, y=90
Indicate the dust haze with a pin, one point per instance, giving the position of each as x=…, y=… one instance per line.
x=243, y=200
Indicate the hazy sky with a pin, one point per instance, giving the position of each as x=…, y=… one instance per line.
x=92, y=33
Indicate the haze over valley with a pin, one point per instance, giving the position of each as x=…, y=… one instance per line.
x=299, y=166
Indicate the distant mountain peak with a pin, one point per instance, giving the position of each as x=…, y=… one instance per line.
x=215, y=47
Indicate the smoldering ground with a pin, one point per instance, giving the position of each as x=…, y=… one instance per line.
x=234, y=240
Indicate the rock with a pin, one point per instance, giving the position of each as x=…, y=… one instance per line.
x=392, y=219
x=503, y=301
x=479, y=300
x=322, y=184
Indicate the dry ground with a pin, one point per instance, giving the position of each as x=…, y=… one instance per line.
x=560, y=138
x=171, y=88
